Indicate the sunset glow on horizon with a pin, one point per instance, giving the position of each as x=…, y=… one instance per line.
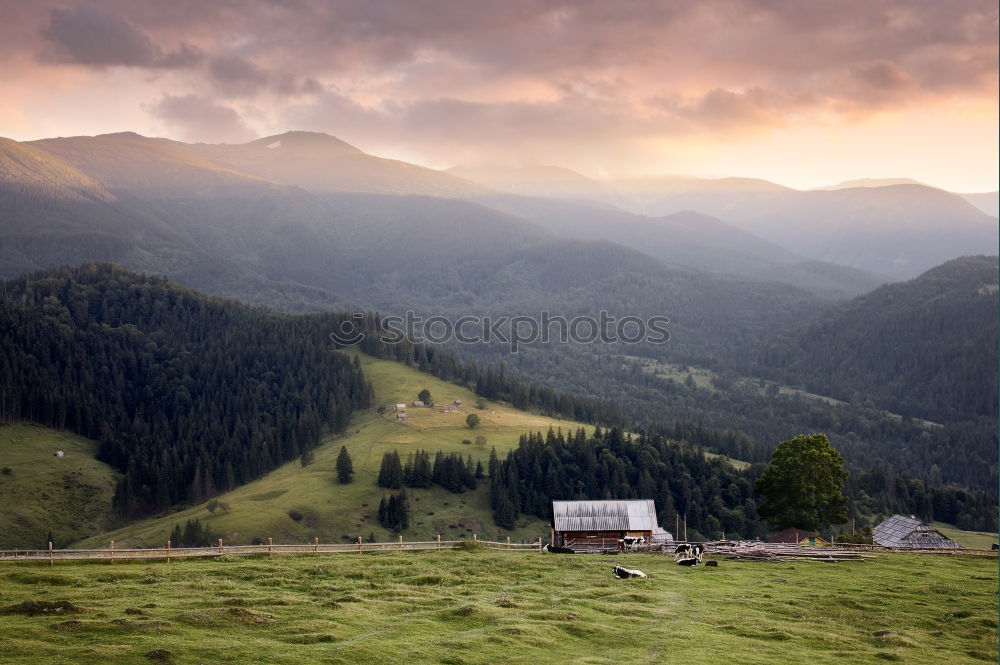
x=800, y=93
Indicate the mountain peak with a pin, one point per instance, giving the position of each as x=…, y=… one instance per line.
x=302, y=141
x=870, y=182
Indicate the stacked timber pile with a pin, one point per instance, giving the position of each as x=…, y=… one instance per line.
x=757, y=551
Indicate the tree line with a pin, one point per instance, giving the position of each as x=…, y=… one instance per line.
x=710, y=495
x=450, y=471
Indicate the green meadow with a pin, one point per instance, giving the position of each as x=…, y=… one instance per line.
x=470, y=607
x=69, y=496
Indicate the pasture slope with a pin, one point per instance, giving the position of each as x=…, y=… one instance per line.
x=69, y=496
x=475, y=607
x=294, y=504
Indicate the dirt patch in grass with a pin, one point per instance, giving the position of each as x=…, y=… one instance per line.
x=34, y=608
x=161, y=656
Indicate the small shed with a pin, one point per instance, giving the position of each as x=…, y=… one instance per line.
x=793, y=536
x=902, y=531
x=401, y=415
x=417, y=403
x=598, y=525
x=400, y=407
x=60, y=453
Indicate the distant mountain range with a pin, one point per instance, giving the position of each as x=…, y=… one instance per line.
x=163, y=207
x=890, y=227
x=304, y=220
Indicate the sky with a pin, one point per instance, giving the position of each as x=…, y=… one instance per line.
x=801, y=92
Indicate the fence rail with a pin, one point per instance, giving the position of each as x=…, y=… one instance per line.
x=270, y=548
x=721, y=547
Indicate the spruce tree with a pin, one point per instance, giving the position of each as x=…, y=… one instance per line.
x=345, y=470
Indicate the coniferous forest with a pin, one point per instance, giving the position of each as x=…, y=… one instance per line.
x=188, y=396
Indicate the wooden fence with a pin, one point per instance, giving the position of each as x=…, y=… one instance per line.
x=730, y=547
x=269, y=548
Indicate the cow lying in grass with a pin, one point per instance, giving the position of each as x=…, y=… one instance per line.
x=688, y=554
x=625, y=573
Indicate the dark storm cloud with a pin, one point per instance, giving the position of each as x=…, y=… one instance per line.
x=91, y=36
x=778, y=44
x=237, y=76
x=541, y=68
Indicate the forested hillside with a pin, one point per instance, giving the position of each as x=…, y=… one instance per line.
x=187, y=395
x=926, y=348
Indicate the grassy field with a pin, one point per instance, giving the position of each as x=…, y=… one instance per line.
x=294, y=504
x=69, y=496
x=479, y=607
x=977, y=540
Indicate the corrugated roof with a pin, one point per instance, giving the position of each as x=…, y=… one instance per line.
x=604, y=515
x=902, y=531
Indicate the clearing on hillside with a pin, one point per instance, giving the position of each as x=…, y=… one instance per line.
x=42, y=492
x=294, y=504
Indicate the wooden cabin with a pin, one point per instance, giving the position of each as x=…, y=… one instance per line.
x=909, y=532
x=598, y=525
x=792, y=536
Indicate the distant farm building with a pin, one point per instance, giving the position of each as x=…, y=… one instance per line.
x=401, y=415
x=902, y=531
x=400, y=407
x=599, y=525
x=417, y=403
x=797, y=537
x=60, y=453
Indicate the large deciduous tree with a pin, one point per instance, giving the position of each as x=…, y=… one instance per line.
x=803, y=486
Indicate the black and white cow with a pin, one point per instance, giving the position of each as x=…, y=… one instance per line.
x=631, y=543
x=688, y=554
x=625, y=573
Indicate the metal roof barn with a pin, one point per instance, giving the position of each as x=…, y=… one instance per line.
x=604, y=515
x=902, y=531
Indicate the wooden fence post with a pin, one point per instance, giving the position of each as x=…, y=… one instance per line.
x=474, y=539
x=50, y=552
x=439, y=540
x=315, y=544
x=220, y=545
x=112, y=551
x=400, y=542
x=168, y=551
x=270, y=544
x=359, y=543
x=508, y=541
x=539, y=543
